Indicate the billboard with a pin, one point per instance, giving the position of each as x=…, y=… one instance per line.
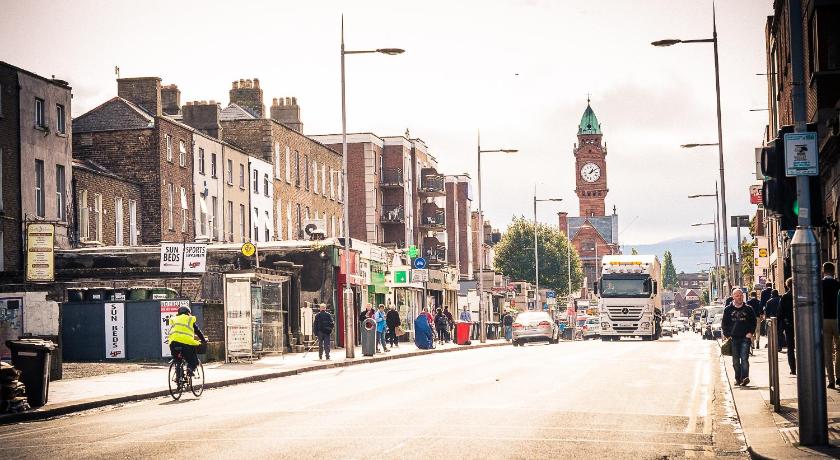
x=40, y=255
x=186, y=257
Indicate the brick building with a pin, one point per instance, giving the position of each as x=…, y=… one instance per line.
x=106, y=206
x=130, y=134
x=35, y=160
x=821, y=42
x=459, y=224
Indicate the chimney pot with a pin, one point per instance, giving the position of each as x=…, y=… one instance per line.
x=212, y=102
x=294, y=101
x=256, y=83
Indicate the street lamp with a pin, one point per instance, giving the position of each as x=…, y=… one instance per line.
x=349, y=316
x=717, y=230
x=714, y=42
x=536, y=253
x=482, y=317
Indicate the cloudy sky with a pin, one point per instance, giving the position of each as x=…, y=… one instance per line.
x=518, y=71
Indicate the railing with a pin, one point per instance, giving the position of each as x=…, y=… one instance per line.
x=433, y=183
x=435, y=254
x=438, y=219
x=391, y=177
x=393, y=214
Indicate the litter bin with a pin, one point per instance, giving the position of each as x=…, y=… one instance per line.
x=96, y=294
x=368, y=337
x=462, y=332
x=32, y=358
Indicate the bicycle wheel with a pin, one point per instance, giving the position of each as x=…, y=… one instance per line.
x=197, y=380
x=176, y=386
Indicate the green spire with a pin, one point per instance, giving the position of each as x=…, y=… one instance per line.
x=589, y=122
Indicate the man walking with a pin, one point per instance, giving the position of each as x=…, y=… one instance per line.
x=771, y=310
x=739, y=326
x=381, y=319
x=507, y=321
x=392, y=320
x=786, y=322
x=831, y=339
x=755, y=304
x=323, y=326
x=766, y=293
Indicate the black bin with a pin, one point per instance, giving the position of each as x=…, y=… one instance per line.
x=32, y=358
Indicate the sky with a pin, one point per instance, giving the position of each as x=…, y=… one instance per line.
x=518, y=71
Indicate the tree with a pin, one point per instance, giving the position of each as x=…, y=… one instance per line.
x=669, y=273
x=634, y=252
x=747, y=261
x=705, y=297
x=515, y=256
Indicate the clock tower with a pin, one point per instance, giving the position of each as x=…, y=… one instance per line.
x=590, y=165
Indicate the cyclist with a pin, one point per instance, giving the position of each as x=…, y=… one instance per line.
x=182, y=333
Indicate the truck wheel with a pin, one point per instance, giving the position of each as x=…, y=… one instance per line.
x=606, y=339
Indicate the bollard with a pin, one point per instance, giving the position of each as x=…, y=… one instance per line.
x=773, y=361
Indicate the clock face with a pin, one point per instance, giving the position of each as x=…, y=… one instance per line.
x=590, y=172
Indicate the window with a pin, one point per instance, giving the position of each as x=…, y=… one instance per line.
x=307, y=213
x=97, y=217
x=182, y=153
x=256, y=186
x=289, y=221
x=60, y=189
x=168, y=147
x=2, y=261
x=298, y=227
x=242, y=222
x=276, y=159
x=242, y=176
x=170, y=219
x=213, y=165
x=267, y=225
x=332, y=184
x=39, y=188
x=214, y=223
x=297, y=168
x=332, y=225
x=184, y=209
x=324, y=179
x=278, y=213
x=201, y=161
x=203, y=217
x=229, y=172
x=118, y=221
x=306, y=172
x=60, y=125
x=288, y=167
x=265, y=185
x=84, y=216
x=1, y=167
x=40, y=121
x=132, y=223
x=229, y=224
x=315, y=176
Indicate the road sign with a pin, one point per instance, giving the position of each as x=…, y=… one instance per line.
x=801, y=154
x=412, y=251
x=419, y=263
x=419, y=276
x=248, y=249
x=739, y=221
x=550, y=294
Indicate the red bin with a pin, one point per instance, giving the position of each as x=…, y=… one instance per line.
x=462, y=332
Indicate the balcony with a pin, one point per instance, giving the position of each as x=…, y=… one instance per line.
x=432, y=183
x=433, y=219
x=434, y=251
x=393, y=215
x=391, y=178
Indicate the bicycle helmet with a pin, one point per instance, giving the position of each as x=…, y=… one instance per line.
x=184, y=310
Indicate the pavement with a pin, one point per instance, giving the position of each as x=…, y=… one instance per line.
x=584, y=399
x=73, y=395
x=776, y=435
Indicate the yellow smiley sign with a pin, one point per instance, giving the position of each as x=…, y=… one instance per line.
x=248, y=249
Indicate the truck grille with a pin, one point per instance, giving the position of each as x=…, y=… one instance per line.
x=625, y=313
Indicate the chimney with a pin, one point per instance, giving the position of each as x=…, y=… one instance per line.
x=563, y=222
x=287, y=112
x=248, y=95
x=203, y=116
x=170, y=98
x=142, y=91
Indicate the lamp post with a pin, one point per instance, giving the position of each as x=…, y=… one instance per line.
x=716, y=258
x=536, y=253
x=710, y=278
x=717, y=231
x=482, y=317
x=349, y=316
x=714, y=42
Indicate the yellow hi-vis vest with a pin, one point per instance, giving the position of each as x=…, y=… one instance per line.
x=182, y=330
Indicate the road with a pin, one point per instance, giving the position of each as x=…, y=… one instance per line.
x=627, y=399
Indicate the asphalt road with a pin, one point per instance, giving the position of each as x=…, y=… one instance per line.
x=627, y=399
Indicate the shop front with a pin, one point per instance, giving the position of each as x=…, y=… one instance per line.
x=406, y=296
x=358, y=286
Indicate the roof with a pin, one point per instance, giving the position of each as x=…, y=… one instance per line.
x=113, y=115
x=606, y=226
x=235, y=112
x=589, y=122
x=54, y=81
x=96, y=168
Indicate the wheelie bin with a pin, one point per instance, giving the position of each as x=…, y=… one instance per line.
x=32, y=358
x=462, y=332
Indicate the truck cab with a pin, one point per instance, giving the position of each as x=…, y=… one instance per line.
x=630, y=301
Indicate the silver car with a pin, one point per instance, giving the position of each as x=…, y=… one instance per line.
x=534, y=326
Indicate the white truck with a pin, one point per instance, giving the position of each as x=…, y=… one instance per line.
x=630, y=300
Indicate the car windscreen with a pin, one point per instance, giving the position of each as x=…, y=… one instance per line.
x=625, y=286
x=531, y=317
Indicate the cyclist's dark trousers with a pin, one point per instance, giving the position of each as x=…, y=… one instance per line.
x=187, y=351
x=324, y=344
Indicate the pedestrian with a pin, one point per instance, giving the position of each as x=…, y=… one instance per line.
x=392, y=320
x=786, y=320
x=739, y=326
x=381, y=322
x=368, y=312
x=771, y=310
x=766, y=293
x=425, y=314
x=466, y=315
x=831, y=338
x=323, y=326
x=507, y=322
x=450, y=322
x=441, y=325
x=755, y=304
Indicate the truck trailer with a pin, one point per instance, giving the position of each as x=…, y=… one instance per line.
x=629, y=297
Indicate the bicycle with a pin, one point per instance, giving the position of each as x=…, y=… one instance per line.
x=179, y=380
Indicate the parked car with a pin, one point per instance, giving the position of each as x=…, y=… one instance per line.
x=534, y=326
x=667, y=331
x=592, y=328
x=707, y=318
x=716, y=326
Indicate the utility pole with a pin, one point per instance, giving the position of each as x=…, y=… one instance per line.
x=805, y=256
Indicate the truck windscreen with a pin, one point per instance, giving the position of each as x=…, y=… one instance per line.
x=625, y=287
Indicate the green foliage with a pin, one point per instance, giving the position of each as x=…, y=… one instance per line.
x=515, y=256
x=705, y=297
x=669, y=273
x=747, y=261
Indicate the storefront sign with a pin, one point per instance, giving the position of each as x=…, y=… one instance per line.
x=40, y=257
x=755, y=194
x=168, y=309
x=115, y=330
x=238, y=337
x=194, y=257
x=761, y=253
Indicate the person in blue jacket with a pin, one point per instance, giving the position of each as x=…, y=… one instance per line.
x=423, y=335
x=381, y=326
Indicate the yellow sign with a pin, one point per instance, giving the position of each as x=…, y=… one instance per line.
x=762, y=252
x=40, y=255
x=248, y=249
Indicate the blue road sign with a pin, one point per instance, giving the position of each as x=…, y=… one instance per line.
x=550, y=294
x=419, y=263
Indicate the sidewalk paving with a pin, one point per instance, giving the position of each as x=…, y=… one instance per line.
x=776, y=435
x=74, y=395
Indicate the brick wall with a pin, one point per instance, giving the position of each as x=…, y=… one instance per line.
x=110, y=187
x=10, y=223
x=143, y=91
x=180, y=176
x=591, y=195
x=248, y=95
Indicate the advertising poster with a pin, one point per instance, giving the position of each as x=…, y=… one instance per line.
x=115, y=330
x=40, y=255
x=168, y=309
x=191, y=257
